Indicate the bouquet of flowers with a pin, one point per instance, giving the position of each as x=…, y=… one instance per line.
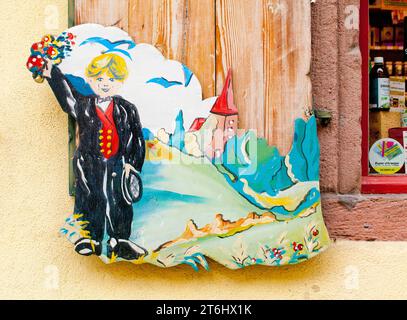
x=49, y=48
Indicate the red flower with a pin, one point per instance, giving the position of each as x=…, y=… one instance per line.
x=277, y=253
x=35, y=62
x=70, y=36
x=47, y=39
x=52, y=52
x=315, y=232
x=38, y=47
x=297, y=247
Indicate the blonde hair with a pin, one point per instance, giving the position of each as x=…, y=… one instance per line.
x=111, y=64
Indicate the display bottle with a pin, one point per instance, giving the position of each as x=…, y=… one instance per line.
x=379, y=86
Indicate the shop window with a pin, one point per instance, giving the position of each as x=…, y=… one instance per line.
x=383, y=40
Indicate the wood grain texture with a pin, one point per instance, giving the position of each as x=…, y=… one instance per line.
x=267, y=43
x=105, y=12
x=239, y=45
x=183, y=30
x=199, y=53
x=159, y=22
x=287, y=61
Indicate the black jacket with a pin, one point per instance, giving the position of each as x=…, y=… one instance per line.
x=82, y=109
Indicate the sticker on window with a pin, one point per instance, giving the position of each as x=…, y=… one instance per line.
x=387, y=156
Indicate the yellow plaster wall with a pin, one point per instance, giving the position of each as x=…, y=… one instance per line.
x=36, y=263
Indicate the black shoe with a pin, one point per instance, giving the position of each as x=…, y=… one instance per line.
x=125, y=249
x=112, y=248
x=128, y=250
x=87, y=247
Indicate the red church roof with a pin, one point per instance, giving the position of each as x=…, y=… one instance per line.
x=197, y=124
x=225, y=105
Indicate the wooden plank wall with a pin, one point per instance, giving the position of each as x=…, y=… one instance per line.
x=267, y=43
x=182, y=30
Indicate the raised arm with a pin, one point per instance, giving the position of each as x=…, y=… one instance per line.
x=65, y=93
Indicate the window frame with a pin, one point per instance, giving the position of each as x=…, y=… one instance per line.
x=372, y=184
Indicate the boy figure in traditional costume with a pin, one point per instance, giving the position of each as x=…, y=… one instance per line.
x=111, y=147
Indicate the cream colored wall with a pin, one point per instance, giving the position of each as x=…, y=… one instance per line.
x=37, y=263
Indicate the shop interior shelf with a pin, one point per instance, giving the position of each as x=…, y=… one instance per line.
x=387, y=48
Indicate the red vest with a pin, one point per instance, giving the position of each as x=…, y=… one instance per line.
x=108, y=137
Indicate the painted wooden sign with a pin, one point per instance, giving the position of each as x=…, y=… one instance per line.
x=165, y=177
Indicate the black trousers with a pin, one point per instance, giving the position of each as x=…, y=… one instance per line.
x=98, y=197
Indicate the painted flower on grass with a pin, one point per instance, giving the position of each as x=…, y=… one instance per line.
x=272, y=256
x=311, y=238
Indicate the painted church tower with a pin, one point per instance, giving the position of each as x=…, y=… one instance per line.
x=226, y=114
